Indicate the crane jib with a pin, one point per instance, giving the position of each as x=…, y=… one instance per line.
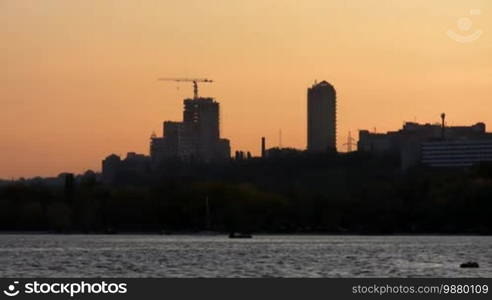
x=195, y=82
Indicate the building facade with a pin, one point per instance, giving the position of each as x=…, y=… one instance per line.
x=117, y=170
x=458, y=153
x=321, y=118
x=433, y=145
x=197, y=137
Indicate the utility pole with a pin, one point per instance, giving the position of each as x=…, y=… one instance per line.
x=350, y=142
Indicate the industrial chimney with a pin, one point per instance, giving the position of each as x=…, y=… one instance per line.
x=263, y=147
x=443, y=125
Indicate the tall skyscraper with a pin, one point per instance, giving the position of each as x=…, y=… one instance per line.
x=322, y=118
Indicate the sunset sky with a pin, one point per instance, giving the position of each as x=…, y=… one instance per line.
x=78, y=78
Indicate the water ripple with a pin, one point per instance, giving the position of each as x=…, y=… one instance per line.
x=262, y=256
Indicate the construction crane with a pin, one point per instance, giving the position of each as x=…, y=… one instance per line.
x=194, y=80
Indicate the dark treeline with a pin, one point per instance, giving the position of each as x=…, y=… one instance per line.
x=290, y=192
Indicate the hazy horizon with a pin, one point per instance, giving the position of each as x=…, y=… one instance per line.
x=80, y=79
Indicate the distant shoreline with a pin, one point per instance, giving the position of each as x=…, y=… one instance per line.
x=203, y=234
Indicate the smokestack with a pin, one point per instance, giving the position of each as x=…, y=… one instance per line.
x=263, y=147
x=443, y=125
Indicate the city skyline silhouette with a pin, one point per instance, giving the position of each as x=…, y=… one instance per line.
x=344, y=139
x=79, y=81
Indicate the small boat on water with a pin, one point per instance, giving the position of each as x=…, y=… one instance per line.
x=469, y=264
x=237, y=235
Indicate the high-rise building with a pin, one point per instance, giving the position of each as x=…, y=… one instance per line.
x=197, y=137
x=322, y=118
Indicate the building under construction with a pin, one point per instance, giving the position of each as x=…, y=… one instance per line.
x=196, y=138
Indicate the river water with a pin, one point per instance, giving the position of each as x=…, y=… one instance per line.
x=262, y=256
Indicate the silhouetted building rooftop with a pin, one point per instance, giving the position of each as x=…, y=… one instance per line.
x=321, y=118
x=115, y=170
x=197, y=137
x=413, y=142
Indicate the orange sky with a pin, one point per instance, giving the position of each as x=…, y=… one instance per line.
x=78, y=77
